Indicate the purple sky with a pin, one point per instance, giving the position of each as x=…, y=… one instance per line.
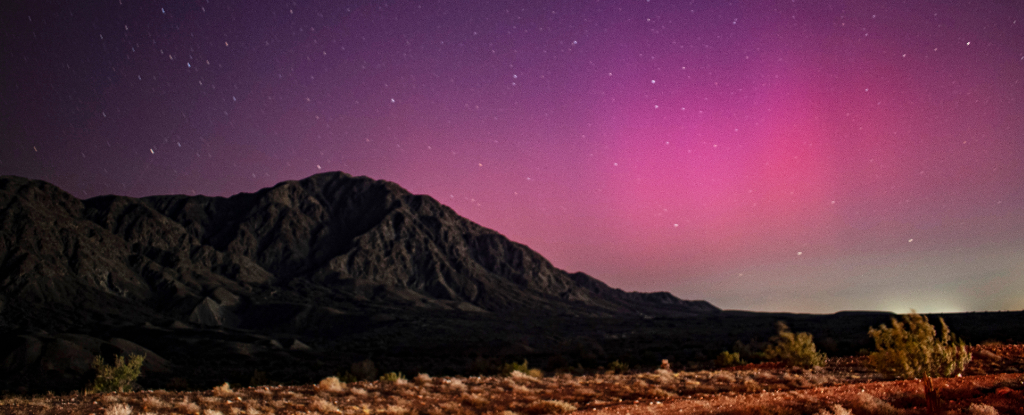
x=806, y=156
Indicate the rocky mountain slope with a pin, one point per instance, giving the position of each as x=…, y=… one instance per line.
x=327, y=245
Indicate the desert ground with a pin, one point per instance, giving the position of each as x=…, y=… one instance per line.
x=992, y=383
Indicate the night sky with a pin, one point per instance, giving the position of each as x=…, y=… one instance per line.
x=805, y=156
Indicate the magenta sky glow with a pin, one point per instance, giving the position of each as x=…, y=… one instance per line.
x=797, y=156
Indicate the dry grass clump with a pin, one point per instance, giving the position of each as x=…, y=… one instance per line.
x=322, y=405
x=119, y=409
x=223, y=391
x=331, y=384
x=871, y=404
x=550, y=407
x=187, y=406
x=154, y=402
x=475, y=401
x=455, y=385
x=395, y=410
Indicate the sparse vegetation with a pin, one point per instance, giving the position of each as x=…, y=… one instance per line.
x=727, y=359
x=117, y=378
x=830, y=390
x=794, y=348
x=618, y=367
x=518, y=369
x=910, y=349
x=223, y=390
x=508, y=368
x=392, y=377
x=552, y=406
x=422, y=378
x=119, y=409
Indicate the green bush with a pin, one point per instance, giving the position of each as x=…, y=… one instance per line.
x=392, y=377
x=508, y=368
x=728, y=359
x=618, y=367
x=910, y=349
x=117, y=378
x=794, y=348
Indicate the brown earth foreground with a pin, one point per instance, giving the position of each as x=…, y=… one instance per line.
x=992, y=384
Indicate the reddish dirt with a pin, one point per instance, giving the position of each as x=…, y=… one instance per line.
x=992, y=384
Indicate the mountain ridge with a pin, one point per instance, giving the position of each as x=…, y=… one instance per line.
x=338, y=243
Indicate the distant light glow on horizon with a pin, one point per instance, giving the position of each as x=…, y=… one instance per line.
x=803, y=157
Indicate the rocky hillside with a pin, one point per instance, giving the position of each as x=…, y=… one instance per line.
x=299, y=252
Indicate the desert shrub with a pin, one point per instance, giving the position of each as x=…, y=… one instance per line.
x=871, y=404
x=508, y=368
x=323, y=406
x=727, y=359
x=154, y=402
x=750, y=352
x=223, y=390
x=392, y=377
x=794, y=348
x=186, y=406
x=119, y=409
x=330, y=384
x=618, y=367
x=422, y=378
x=519, y=369
x=119, y=377
x=550, y=407
x=910, y=349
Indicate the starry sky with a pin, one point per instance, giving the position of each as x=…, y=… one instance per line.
x=802, y=156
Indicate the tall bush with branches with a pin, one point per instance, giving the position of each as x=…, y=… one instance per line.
x=117, y=378
x=794, y=348
x=910, y=349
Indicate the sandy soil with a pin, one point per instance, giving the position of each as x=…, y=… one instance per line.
x=992, y=384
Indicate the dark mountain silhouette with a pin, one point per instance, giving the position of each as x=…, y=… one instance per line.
x=333, y=242
x=203, y=284
x=304, y=279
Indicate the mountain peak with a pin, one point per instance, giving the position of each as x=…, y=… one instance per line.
x=334, y=241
